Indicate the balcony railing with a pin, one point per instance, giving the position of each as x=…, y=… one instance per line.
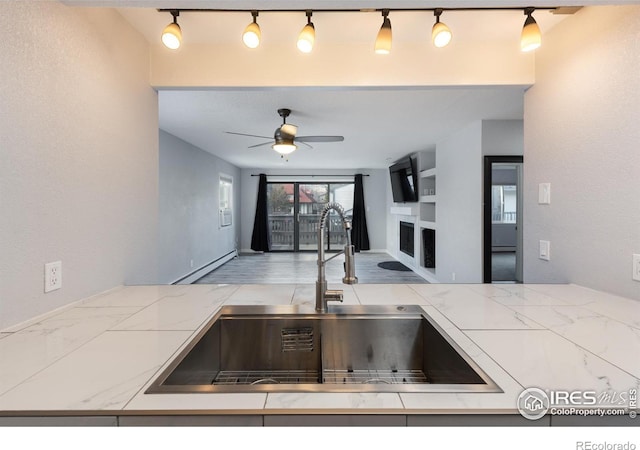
x=282, y=229
x=504, y=217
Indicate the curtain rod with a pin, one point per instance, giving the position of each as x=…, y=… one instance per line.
x=301, y=175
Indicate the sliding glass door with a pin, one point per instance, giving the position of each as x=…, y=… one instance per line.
x=294, y=213
x=281, y=208
x=311, y=200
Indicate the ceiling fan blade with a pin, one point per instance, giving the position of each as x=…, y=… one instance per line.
x=250, y=135
x=303, y=143
x=319, y=139
x=260, y=145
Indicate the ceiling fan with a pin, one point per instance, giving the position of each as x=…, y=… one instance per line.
x=285, y=139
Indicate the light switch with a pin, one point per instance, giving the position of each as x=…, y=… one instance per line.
x=545, y=250
x=544, y=193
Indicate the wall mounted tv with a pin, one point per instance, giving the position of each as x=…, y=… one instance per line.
x=404, y=180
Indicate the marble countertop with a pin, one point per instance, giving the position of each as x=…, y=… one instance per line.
x=98, y=356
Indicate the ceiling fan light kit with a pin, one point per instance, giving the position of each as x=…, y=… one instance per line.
x=530, y=37
x=284, y=147
x=285, y=137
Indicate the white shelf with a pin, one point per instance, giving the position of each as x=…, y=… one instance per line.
x=428, y=173
x=428, y=224
x=428, y=199
x=404, y=210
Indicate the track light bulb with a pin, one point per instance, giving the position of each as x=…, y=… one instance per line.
x=307, y=36
x=251, y=35
x=172, y=34
x=440, y=33
x=531, y=38
x=383, y=41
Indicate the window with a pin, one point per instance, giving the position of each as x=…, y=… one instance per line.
x=503, y=204
x=226, y=200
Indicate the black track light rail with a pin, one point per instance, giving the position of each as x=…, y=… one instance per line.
x=378, y=10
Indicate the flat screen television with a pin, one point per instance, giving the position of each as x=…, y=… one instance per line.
x=404, y=180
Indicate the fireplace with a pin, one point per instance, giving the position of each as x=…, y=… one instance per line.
x=406, y=238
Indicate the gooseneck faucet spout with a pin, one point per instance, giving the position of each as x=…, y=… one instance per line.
x=323, y=295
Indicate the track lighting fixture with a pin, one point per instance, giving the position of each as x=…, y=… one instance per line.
x=251, y=35
x=172, y=34
x=307, y=36
x=383, y=41
x=440, y=33
x=531, y=37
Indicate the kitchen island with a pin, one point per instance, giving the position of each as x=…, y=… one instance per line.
x=91, y=362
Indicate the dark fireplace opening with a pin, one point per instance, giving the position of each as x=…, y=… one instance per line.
x=406, y=238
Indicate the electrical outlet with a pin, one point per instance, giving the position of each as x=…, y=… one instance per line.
x=636, y=267
x=52, y=276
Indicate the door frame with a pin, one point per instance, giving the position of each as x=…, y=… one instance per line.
x=486, y=208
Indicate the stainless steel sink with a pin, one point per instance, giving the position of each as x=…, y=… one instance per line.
x=350, y=349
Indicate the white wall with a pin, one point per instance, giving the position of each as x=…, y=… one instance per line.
x=188, y=224
x=459, y=206
x=79, y=163
x=472, y=63
x=582, y=135
x=375, y=199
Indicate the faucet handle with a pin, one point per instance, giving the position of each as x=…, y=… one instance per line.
x=333, y=295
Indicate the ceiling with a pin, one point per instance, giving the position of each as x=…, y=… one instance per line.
x=379, y=125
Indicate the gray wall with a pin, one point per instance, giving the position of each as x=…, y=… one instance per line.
x=188, y=219
x=459, y=164
x=459, y=206
x=375, y=197
x=502, y=137
x=79, y=166
x=582, y=135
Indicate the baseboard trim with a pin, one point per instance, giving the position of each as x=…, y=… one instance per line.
x=202, y=271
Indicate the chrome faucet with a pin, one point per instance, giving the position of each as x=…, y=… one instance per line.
x=323, y=295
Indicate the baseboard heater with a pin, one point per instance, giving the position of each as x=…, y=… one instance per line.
x=202, y=271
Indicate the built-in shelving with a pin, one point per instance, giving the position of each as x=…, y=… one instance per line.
x=427, y=213
x=428, y=199
x=428, y=173
x=428, y=224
